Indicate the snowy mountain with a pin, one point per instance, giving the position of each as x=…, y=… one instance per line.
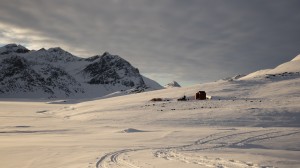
x=172, y=85
x=248, y=123
x=236, y=77
x=151, y=83
x=289, y=68
x=13, y=48
x=55, y=73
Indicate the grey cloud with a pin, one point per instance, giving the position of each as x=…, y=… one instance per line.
x=192, y=40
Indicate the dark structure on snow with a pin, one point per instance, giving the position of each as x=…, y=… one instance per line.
x=182, y=98
x=201, y=95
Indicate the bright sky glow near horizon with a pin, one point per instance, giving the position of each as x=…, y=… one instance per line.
x=189, y=41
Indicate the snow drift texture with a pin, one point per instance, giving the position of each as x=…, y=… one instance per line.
x=55, y=73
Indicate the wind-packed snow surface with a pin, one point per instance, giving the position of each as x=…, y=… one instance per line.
x=249, y=122
x=55, y=73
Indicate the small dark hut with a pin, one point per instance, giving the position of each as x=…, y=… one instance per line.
x=201, y=95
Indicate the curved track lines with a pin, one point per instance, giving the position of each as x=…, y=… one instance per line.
x=114, y=158
x=190, y=154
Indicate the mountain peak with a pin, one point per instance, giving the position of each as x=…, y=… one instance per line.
x=108, y=56
x=11, y=45
x=106, y=53
x=112, y=69
x=57, y=49
x=13, y=48
x=58, y=54
x=172, y=84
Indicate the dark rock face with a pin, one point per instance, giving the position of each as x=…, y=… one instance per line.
x=57, y=73
x=19, y=75
x=109, y=69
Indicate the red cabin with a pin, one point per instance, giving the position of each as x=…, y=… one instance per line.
x=201, y=95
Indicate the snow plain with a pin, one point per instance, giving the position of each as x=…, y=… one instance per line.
x=249, y=122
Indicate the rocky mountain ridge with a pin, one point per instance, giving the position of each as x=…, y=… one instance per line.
x=56, y=73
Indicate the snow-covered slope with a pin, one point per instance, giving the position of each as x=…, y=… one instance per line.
x=55, y=73
x=286, y=69
x=152, y=84
x=243, y=102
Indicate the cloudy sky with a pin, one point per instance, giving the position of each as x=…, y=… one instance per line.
x=190, y=41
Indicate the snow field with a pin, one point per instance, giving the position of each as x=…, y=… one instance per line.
x=249, y=122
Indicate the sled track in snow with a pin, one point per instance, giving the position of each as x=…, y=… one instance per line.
x=214, y=141
x=190, y=154
x=113, y=158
